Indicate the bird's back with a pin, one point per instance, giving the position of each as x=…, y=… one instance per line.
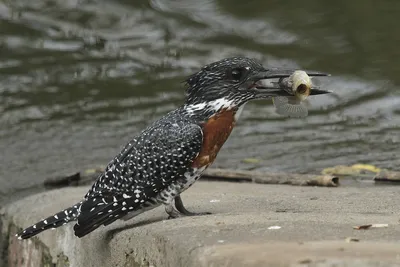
x=151, y=169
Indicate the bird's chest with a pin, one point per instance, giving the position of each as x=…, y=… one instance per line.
x=215, y=132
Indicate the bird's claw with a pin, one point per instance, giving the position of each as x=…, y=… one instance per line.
x=183, y=211
x=178, y=210
x=176, y=214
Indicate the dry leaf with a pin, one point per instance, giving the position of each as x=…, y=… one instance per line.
x=350, y=239
x=367, y=226
x=362, y=227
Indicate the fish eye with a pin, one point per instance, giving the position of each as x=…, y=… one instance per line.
x=302, y=88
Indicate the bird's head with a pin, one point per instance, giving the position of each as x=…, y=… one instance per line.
x=232, y=82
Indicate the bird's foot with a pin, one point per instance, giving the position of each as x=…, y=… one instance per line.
x=189, y=213
x=180, y=208
x=172, y=212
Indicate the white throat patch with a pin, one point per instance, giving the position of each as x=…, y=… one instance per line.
x=221, y=103
x=215, y=105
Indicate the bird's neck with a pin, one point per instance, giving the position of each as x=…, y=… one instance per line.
x=217, y=120
x=207, y=109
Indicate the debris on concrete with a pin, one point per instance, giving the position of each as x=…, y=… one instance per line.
x=251, y=160
x=368, y=226
x=270, y=178
x=387, y=176
x=352, y=239
x=354, y=170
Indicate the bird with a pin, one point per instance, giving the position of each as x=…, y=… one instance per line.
x=170, y=155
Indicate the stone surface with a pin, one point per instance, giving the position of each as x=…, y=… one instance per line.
x=313, y=225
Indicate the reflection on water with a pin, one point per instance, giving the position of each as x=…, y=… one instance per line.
x=79, y=78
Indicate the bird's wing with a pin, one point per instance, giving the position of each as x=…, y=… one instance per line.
x=145, y=167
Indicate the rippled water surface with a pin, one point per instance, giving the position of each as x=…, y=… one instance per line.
x=79, y=78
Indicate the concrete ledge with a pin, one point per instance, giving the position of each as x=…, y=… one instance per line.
x=314, y=224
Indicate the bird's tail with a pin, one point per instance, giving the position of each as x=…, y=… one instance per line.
x=52, y=222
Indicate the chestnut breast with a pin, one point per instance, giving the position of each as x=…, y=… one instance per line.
x=215, y=132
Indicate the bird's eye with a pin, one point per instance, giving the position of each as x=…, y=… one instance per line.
x=237, y=74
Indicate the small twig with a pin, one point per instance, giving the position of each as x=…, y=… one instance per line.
x=63, y=181
x=214, y=174
x=387, y=176
x=270, y=178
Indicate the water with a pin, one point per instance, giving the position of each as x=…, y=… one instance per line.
x=79, y=78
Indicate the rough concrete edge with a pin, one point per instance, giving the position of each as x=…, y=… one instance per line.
x=3, y=244
x=155, y=249
x=34, y=248
x=54, y=247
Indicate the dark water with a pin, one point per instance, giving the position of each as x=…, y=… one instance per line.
x=79, y=78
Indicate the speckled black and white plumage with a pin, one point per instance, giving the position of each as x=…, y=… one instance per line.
x=150, y=170
x=156, y=166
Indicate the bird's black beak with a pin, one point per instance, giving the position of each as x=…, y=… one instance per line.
x=276, y=90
